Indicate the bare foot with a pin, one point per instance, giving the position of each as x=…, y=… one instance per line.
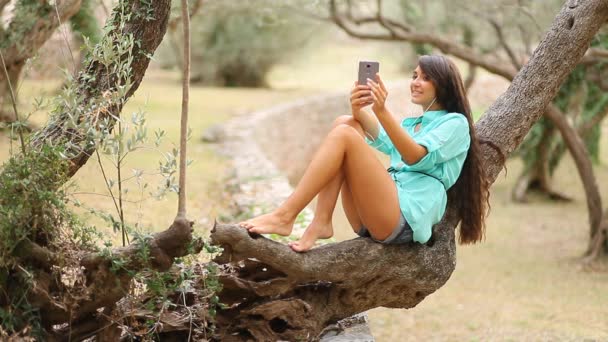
x=316, y=230
x=272, y=223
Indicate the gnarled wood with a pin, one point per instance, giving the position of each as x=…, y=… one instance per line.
x=276, y=293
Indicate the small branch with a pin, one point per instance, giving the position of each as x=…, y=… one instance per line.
x=181, y=212
x=65, y=36
x=121, y=215
x=14, y=102
x=105, y=179
x=594, y=56
x=525, y=38
x=503, y=42
x=596, y=52
x=594, y=121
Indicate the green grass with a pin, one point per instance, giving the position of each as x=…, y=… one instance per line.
x=160, y=97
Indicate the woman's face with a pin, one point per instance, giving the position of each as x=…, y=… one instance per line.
x=423, y=90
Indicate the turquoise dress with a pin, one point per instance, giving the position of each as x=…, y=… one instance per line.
x=422, y=186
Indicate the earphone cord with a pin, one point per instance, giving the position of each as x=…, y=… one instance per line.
x=429, y=106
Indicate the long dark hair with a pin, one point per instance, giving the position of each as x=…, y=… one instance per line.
x=470, y=194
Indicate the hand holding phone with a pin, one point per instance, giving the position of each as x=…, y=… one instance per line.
x=367, y=69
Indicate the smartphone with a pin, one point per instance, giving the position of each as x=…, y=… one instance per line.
x=367, y=69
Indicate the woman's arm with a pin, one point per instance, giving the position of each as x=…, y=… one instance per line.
x=368, y=122
x=409, y=150
x=359, y=98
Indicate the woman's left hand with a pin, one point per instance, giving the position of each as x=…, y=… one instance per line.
x=379, y=95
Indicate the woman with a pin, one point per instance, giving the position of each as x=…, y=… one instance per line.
x=429, y=155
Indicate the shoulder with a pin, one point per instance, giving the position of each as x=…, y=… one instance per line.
x=455, y=117
x=456, y=121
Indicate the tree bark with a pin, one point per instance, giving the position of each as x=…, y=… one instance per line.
x=275, y=293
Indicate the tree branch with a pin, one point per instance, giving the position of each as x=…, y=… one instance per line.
x=594, y=121
x=447, y=46
x=95, y=81
x=503, y=42
x=579, y=153
x=594, y=56
x=540, y=78
x=181, y=211
x=31, y=38
x=105, y=287
x=196, y=7
x=3, y=4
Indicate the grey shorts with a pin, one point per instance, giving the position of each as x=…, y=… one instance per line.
x=401, y=234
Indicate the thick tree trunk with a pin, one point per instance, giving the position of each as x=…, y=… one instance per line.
x=585, y=169
x=275, y=293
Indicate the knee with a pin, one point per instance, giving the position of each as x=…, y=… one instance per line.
x=348, y=120
x=342, y=120
x=345, y=131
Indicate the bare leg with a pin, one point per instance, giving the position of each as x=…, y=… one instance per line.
x=325, y=204
x=321, y=226
x=350, y=209
x=374, y=192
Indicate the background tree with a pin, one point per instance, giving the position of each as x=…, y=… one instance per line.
x=84, y=26
x=236, y=44
x=31, y=24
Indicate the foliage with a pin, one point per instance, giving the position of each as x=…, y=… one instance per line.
x=238, y=45
x=31, y=206
x=84, y=23
x=582, y=99
x=34, y=209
